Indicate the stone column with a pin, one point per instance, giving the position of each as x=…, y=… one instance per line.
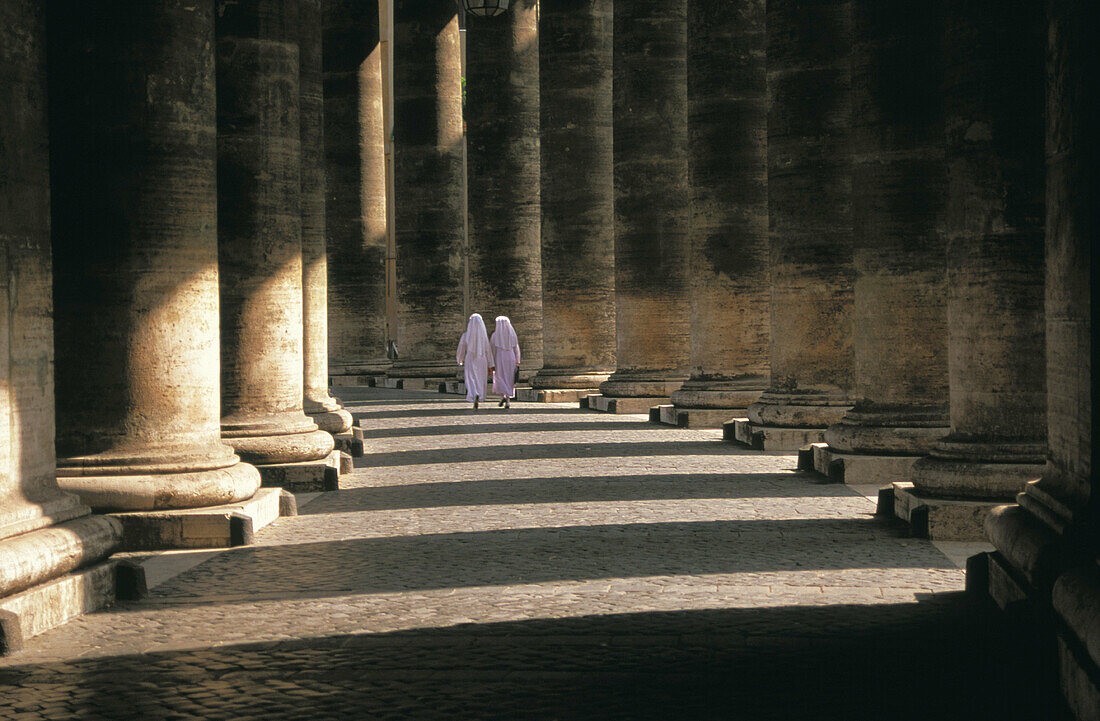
x=44, y=532
x=809, y=223
x=132, y=124
x=502, y=101
x=1046, y=559
x=325, y=410
x=429, y=187
x=577, y=180
x=355, y=197
x=652, y=201
x=994, y=122
x=260, y=234
x=898, y=207
x=730, y=278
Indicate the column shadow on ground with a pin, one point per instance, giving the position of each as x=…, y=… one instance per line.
x=941, y=660
x=569, y=489
x=504, y=557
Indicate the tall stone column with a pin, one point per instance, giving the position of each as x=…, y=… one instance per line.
x=355, y=195
x=325, y=410
x=45, y=533
x=898, y=207
x=132, y=130
x=652, y=201
x=1046, y=559
x=429, y=187
x=260, y=234
x=577, y=181
x=994, y=121
x=502, y=101
x=730, y=278
x=809, y=223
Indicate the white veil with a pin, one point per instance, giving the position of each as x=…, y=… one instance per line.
x=504, y=337
x=477, y=339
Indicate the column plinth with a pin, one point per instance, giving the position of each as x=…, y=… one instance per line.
x=652, y=199
x=577, y=189
x=135, y=259
x=260, y=236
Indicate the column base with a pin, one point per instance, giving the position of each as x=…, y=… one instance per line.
x=641, y=385
x=452, y=387
x=936, y=518
x=328, y=414
x=351, y=442
x=162, y=491
x=428, y=383
x=552, y=395
x=671, y=415
x=575, y=379
x=423, y=369
x=303, y=477
x=622, y=406
x=259, y=448
x=54, y=603
x=854, y=468
x=799, y=410
x=770, y=438
x=33, y=558
x=979, y=469
x=231, y=524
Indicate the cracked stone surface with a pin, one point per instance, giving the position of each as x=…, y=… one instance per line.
x=542, y=562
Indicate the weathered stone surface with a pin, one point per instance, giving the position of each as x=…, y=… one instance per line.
x=652, y=199
x=940, y=519
x=429, y=186
x=727, y=162
x=898, y=208
x=577, y=194
x=809, y=214
x=770, y=438
x=232, y=524
x=136, y=259
x=859, y=469
x=259, y=234
x=355, y=196
x=502, y=173
x=304, y=477
x=53, y=603
x=325, y=410
x=994, y=120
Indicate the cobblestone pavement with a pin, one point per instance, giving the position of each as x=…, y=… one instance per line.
x=541, y=563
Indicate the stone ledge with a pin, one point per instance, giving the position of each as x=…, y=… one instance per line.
x=552, y=395
x=940, y=519
x=624, y=406
x=36, y=610
x=319, y=475
x=588, y=402
x=670, y=415
x=350, y=442
x=224, y=526
x=770, y=438
x=856, y=469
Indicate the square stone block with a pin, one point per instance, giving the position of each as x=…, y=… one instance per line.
x=224, y=526
x=588, y=402
x=305, y=477
x=392, y=383
x=941, y=519
x=624, y=406
x=858, y=469
x=670, y=415
x=552, y=395
x=349, y=443
x=36, y=610
x=770, y=438
x=456, y=388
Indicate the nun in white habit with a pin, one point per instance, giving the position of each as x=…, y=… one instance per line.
x=505, y=359
x=475, y=357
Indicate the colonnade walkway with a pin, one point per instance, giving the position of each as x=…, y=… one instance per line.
x=542, y=563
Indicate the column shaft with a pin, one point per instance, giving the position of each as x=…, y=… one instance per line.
x=355, y=197
x=259, y=234
x=132, y=109
x=809, y=214
x=994, y=124
x=30, y=500
x=727, y=134
x=502, y=88
x=325, y=410
x=429, y=186
x=898, y=208
x=577, y=182
x=652, y=199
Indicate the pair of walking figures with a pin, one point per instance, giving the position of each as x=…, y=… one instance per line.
x=482, y=357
